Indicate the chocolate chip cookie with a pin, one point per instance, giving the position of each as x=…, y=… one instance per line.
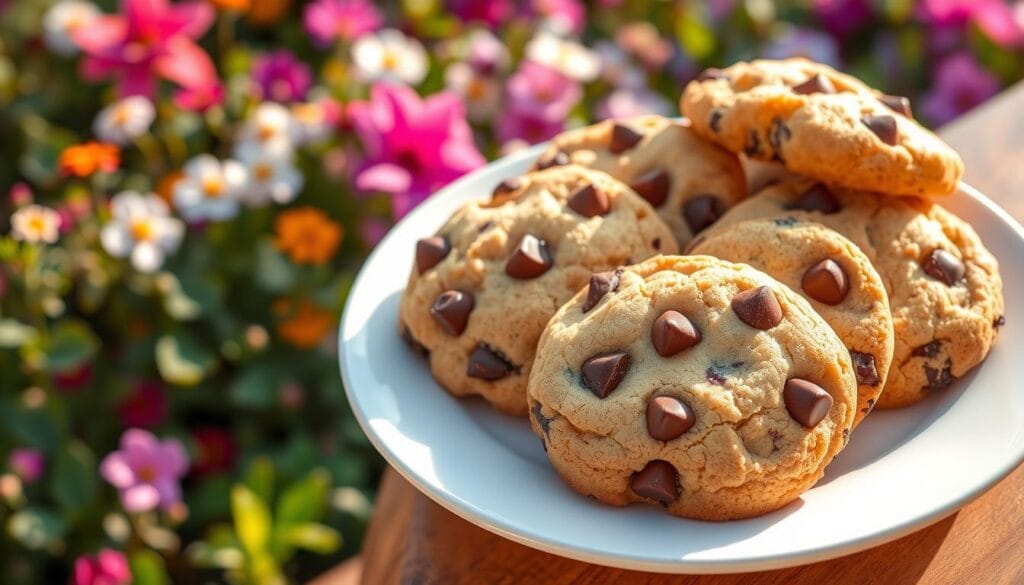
x=945, y=291
x=705, y=386
x=689, y=180
x=833, y=274
x=486, y=283
x=822, y=124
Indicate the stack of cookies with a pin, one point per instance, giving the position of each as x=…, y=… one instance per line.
x=677, y=341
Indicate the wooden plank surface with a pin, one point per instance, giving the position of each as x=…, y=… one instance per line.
x=413, y=540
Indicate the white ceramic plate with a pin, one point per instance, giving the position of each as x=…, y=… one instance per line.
x=902, y=470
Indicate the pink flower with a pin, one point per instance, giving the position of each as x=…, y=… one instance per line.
x=199, y=99
x=412, y=146
x=327, y=20
x=373, y=230
x=628, y=102
x=566, y=16
x=149, y=40
x=960, y=84
x=842, y=17
x=146, y=407
x=28, y=464
x=492, y=13
x=539, y=100
x=108, y=567
x=994, y=17
x=20, y=194
x=146, y=471
x=280, y=77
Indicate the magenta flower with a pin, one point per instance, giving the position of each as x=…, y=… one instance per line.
x=108, y=567
x=146, y=407
x=146, y=471
x=842, y=17
x=412, y=146
x=328, y=20
x=280, y=77
x=150, y=39
x=492, y=13
x=994, y=17
x=960, y=83
x=539, y=100
x=27, y=463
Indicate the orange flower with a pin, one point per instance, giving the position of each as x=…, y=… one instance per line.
x=85, y=159
x=235, y=5
x=165, y=186
x=307, y=235
x=304, y=327
x=268, y=12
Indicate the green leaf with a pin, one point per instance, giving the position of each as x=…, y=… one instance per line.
x=74, y=483
x=252, y=520
x=33, y=427
x=15, y=334
x=304, y=501
x=274, y=272
x=257, y=386
x=313, y=537
x=259, y=478
x=183, y=360
x=147, y=568
x=69, y=345
x=36, y=528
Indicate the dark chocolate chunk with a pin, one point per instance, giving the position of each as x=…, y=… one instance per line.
x=898, y=104
x=816, y=84
x=702, y=211
x=778, y=134
x=884, y=126
x=658, y=480
x=430, y=251
x=601, y=283
x=864, y=368
x=939, y=378
x=944, y=267
x=451, y=310
x=716, y=120
x=589, y=201
x=542, y=421
x=531, y=258
x=928, y=350
x=623, y=138
x=486, y=363
x=668, y=418
x=673, y=332
x=652, y=186
x=826, y=282
x=758, y=307
x=817, y=198
x=603, y=372
x=806, y=402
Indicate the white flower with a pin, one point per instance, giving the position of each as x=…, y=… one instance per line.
x=35, y=223
x=124, y=120
x=210, y=189
x=271, y=177
x=312, y=121
x=390, y=55
x=481, y=94
x=569, y=57
x=272, y=127
x=62, y=20
x=142, y=228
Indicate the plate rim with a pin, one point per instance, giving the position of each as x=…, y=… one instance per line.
x=473, y=514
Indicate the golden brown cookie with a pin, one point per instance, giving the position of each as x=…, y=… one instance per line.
x=689, y=180
x=485, y=285
x=822, y=124
x=833, y=274
x=699, y=384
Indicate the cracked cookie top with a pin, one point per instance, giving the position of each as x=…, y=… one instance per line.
x=689, y=180
x=833, y=274
x=696, y=383
x=944, y=286
x=483, y=287
x=823, y=124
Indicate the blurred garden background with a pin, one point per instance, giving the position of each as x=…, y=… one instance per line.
x=188, y=188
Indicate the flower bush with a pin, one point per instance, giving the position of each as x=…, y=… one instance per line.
x=190, y=187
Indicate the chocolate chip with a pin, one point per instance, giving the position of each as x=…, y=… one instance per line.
x=817, y=198
x=668, y=418
x=702, y=211
x=652, y=186
x=658, y=480
x=656, y=243
x=816, y=84
x=871, y=404
x=558, y=159
x=898, y=104
x=806, y=402
x=430, y=251
x=601, y=283
x=716, y=120
x=717, y=373
x=673, y=332
x=451, y=310
x=417, y=347
x=505, y=187
x=939, y=378
x=623, y=138
x=943, y=266
x=884, y=126
x=999, y=322
x=487, y=363
x=826, y=282
x=928, y=350
x=711, y=73
x=531, y=258
x=758, y=307
x=788, y=221
x=864, y=368
x=542, y=421
x=603, y=372
x=778, y=134
x=753, y=146
x=589, y=201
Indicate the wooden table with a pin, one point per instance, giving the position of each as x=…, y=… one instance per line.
x=413, y=540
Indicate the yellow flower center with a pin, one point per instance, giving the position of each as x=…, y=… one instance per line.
x=389, y=61
x=306, y=113
x=213, y=187
x=476, y=90
x=263, y=172
x=266, y=132
x=121, y=115
x=142, y=231
x=36, y=224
